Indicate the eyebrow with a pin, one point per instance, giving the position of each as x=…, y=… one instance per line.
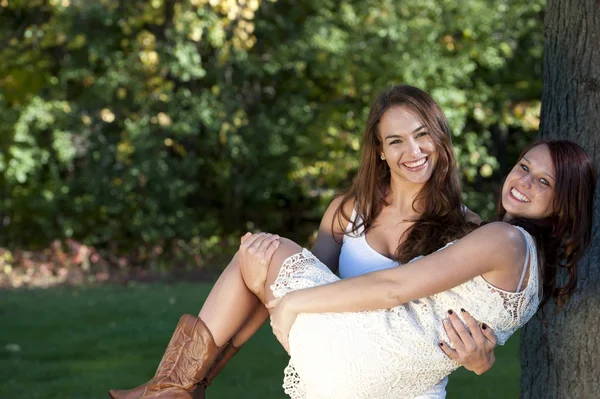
x=393, y=136
x=547, y=174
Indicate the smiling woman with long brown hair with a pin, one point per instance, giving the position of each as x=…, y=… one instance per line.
x=407, y=157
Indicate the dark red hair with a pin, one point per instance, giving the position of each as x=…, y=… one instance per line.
x=563, y=237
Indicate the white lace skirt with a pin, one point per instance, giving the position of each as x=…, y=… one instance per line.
x=371, y=355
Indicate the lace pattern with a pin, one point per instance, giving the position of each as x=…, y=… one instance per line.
x=301, y=270
x=390, y=353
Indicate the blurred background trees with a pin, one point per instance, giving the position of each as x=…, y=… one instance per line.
x=154, y=133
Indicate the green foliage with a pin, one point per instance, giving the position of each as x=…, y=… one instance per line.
x=141, y=123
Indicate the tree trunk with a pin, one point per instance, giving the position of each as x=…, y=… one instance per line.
x=560, y=353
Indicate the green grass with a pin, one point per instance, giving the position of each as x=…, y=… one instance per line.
x=76, y=343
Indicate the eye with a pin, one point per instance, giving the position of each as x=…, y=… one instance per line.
x=525, y=167
x=397, y=141
x=545, y=182
x=421, y=134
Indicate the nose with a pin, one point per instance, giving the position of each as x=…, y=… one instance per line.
x=414, y=149
x=525, y=180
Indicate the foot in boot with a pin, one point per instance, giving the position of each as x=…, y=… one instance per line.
x=189, y=355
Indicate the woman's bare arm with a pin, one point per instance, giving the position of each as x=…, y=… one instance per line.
x=491, y=248
x=328, y=244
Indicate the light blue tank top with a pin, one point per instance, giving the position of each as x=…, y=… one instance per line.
x=357, y=256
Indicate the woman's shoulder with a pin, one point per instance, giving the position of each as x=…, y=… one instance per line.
x=346, y=204
x=331, y=216
x=501, y=229
x=505, y=237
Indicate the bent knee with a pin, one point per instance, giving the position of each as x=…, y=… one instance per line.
x=286, y=249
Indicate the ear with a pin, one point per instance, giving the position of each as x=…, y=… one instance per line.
x=379, y=150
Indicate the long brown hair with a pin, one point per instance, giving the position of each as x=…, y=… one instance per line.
x=443, y=217
x=563, y=237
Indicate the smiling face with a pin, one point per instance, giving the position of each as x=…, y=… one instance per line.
x=528, y=190
x=407, y=145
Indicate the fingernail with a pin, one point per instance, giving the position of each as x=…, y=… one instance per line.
x=462, y=310
x=450, y=312
x=441, y=344
x=483, y=326
x=446, y=321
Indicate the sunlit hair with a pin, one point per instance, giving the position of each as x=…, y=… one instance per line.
x=563, y=237
x=443, y=217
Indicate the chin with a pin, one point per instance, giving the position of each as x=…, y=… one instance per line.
x=510, y=208
x=420, y=181
x=423, y=178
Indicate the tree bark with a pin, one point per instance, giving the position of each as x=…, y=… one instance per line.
x=560, y=352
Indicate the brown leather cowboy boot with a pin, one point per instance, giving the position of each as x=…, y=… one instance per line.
x=188, y=357
x=224, y=357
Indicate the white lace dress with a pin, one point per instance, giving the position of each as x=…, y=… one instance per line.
x=390, y=353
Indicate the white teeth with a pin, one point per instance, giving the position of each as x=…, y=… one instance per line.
x=518, y=195
x=416, y=163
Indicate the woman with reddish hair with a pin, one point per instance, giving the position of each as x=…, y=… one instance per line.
x=406, y=192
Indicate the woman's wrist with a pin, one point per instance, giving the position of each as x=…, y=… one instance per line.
x=291, y=302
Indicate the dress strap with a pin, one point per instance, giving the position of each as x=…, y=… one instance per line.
x=527, y=252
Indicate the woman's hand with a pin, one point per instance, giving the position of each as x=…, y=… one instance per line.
x=255, y=253
x=282, y=318
x=473, y=347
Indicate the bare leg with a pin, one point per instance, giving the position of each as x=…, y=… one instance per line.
x=251, y=326
x=261, y=314
x=286, y=249
x=228, y=305
x=259, y=278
